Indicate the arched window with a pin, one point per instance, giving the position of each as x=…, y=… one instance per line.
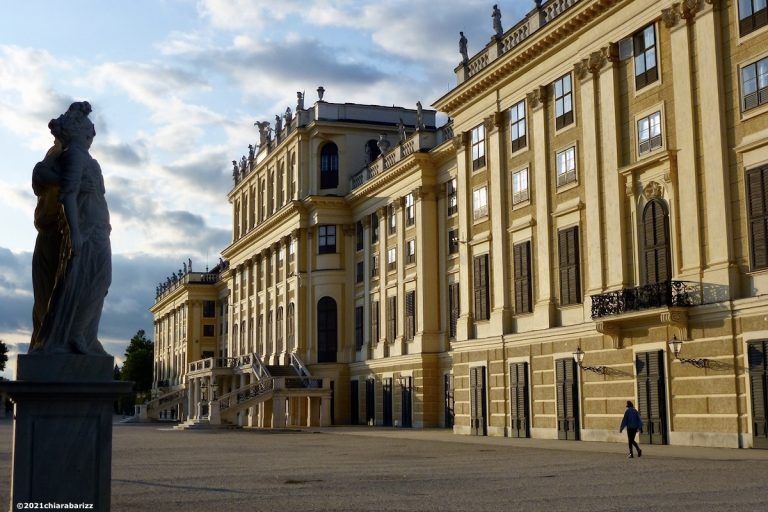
x=329, y=166
x=290, y=332
x=326, y=330
x=372, y=150
x=656, y=250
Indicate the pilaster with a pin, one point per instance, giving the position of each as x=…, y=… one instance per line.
x=464, y=329
x=427, y=282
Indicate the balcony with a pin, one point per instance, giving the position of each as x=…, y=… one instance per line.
x=666, y=294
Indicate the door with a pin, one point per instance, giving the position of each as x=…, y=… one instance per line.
x=519, y=409
x=566, y=376
x=370, y=401
x=354, y=402
x=656, y=257
x=326, y=330
x=448, y=399
x=652, y=397
x=758, y=377
x=387, y=398
x=406, y=395
x=477, y=399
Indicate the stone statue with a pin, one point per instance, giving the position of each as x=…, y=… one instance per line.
x=401, y=130
x=320, y=93
x=278, y=125
x=184, y=264
x=189, y=261
x=463, y=48
x=251, y=152
x=299, y=101
x=263, y=127
x=288, y=117
x=496, y=15
x=243, y=165
x=235, y=171
x=70, y=322
x=382, y=143
x=419, y=116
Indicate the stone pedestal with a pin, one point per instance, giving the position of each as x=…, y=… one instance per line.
x=62, y=432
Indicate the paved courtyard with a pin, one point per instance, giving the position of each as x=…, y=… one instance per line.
x=386, y=470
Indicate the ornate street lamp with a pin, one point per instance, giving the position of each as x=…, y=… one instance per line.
x=578, y=356
x=676, y=345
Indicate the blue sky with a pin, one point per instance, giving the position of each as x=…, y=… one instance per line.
x=176, y=86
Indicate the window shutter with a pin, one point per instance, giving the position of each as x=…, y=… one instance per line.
x=453, y=305
x=522, y=273
x=482, y=310
x=757, y=183
x=410, y=315
x=375, y=322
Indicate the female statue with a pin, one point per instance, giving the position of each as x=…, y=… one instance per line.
x=70, y=322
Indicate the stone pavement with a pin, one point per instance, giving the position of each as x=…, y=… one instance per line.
x=347, y=468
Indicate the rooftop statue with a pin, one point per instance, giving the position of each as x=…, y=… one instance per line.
x=419, y=116
x=278, y=125
x=401, y=130
x=263, y=127
x=235, y=170
x=243, y=165
x=496, y=15
x=70, y=278
x=383, y=143
x=299, y=101
x=251, y=151
x=288, y=117
x=463, y=48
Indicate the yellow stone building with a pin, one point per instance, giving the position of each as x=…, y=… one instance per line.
x=590, y=228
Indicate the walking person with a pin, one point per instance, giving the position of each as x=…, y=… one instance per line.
x=632, y=423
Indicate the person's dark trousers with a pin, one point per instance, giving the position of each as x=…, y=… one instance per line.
x=631, y=433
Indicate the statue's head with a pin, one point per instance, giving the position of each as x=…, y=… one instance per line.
x=73, y=126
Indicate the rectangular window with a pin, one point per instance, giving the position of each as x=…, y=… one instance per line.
x=410, y=251
x=517, y=126
x=392, y=258
x=451, y=192
x=520, y=186
x=391, y=318
x=757, y=213
x=568, y=254
x=326, y=239
x=453, y=309
x=566, y=166
x=481, y=281
x=374, y=228
x=358, y=327
x=753, y=14
x=359, y=236
x=359, y=272
x=375, y=334
x=479, y=203
x=563, y=101
x=649, y=133
x=374, y=265
x=522, y=262
x=410, y=210
x=478, y=147
x=646, y=70
x=209, y=308
x=392, y=219
x=410, y=315
x=453, y=241
x=754, y=84
x=209, y=330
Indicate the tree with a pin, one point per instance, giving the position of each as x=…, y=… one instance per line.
x=3, y=355
x=138, y=363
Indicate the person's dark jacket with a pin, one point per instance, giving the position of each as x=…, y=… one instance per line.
x=631, y=420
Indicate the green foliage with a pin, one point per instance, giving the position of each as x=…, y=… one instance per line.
x=138, y=363
x=3, y=355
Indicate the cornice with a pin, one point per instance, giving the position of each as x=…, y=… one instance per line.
x=399, y=170
x=267, y=226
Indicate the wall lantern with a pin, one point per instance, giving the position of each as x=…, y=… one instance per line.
x=676, y=345
x=578, y=356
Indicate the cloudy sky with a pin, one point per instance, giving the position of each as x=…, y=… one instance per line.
x=176, y=86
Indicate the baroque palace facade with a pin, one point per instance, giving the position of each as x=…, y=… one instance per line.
x=590, y=228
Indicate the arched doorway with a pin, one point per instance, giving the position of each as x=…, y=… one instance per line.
x=656, y=248
x=327, y=331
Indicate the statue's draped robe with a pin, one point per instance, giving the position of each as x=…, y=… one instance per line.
x=72, y=321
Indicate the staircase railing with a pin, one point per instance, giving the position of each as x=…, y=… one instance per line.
x=163, y=400
x=302, y=370
x=240, y=395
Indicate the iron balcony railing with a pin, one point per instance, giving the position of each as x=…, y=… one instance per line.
x=664, y=294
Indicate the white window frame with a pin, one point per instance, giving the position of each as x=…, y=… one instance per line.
x=565, y=173
x=520, y=194
x=480, y=202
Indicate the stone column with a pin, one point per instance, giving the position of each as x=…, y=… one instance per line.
x=278, y=411
x=585, y=72
x=190, y=398
x=367, y=342
x=427, y=283
x=383, y=235
x=325, y=411
x=544, y=308
x=464, y=324
x=257, y=308
x=397, y=347
x=501, y=301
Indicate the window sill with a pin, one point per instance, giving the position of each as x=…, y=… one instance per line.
x=567, y=186
x=521, y=150
x=522, y=204
x=746, y=115
x=566, y=128
x=650, y=154
x=647, y=87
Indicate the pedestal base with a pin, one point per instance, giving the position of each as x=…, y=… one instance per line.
x=62, y=431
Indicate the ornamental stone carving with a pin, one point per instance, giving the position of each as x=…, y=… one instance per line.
x=670, y=16
x=537, y=97
x=653, y=191
x=689, y=8
x=596, y=61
